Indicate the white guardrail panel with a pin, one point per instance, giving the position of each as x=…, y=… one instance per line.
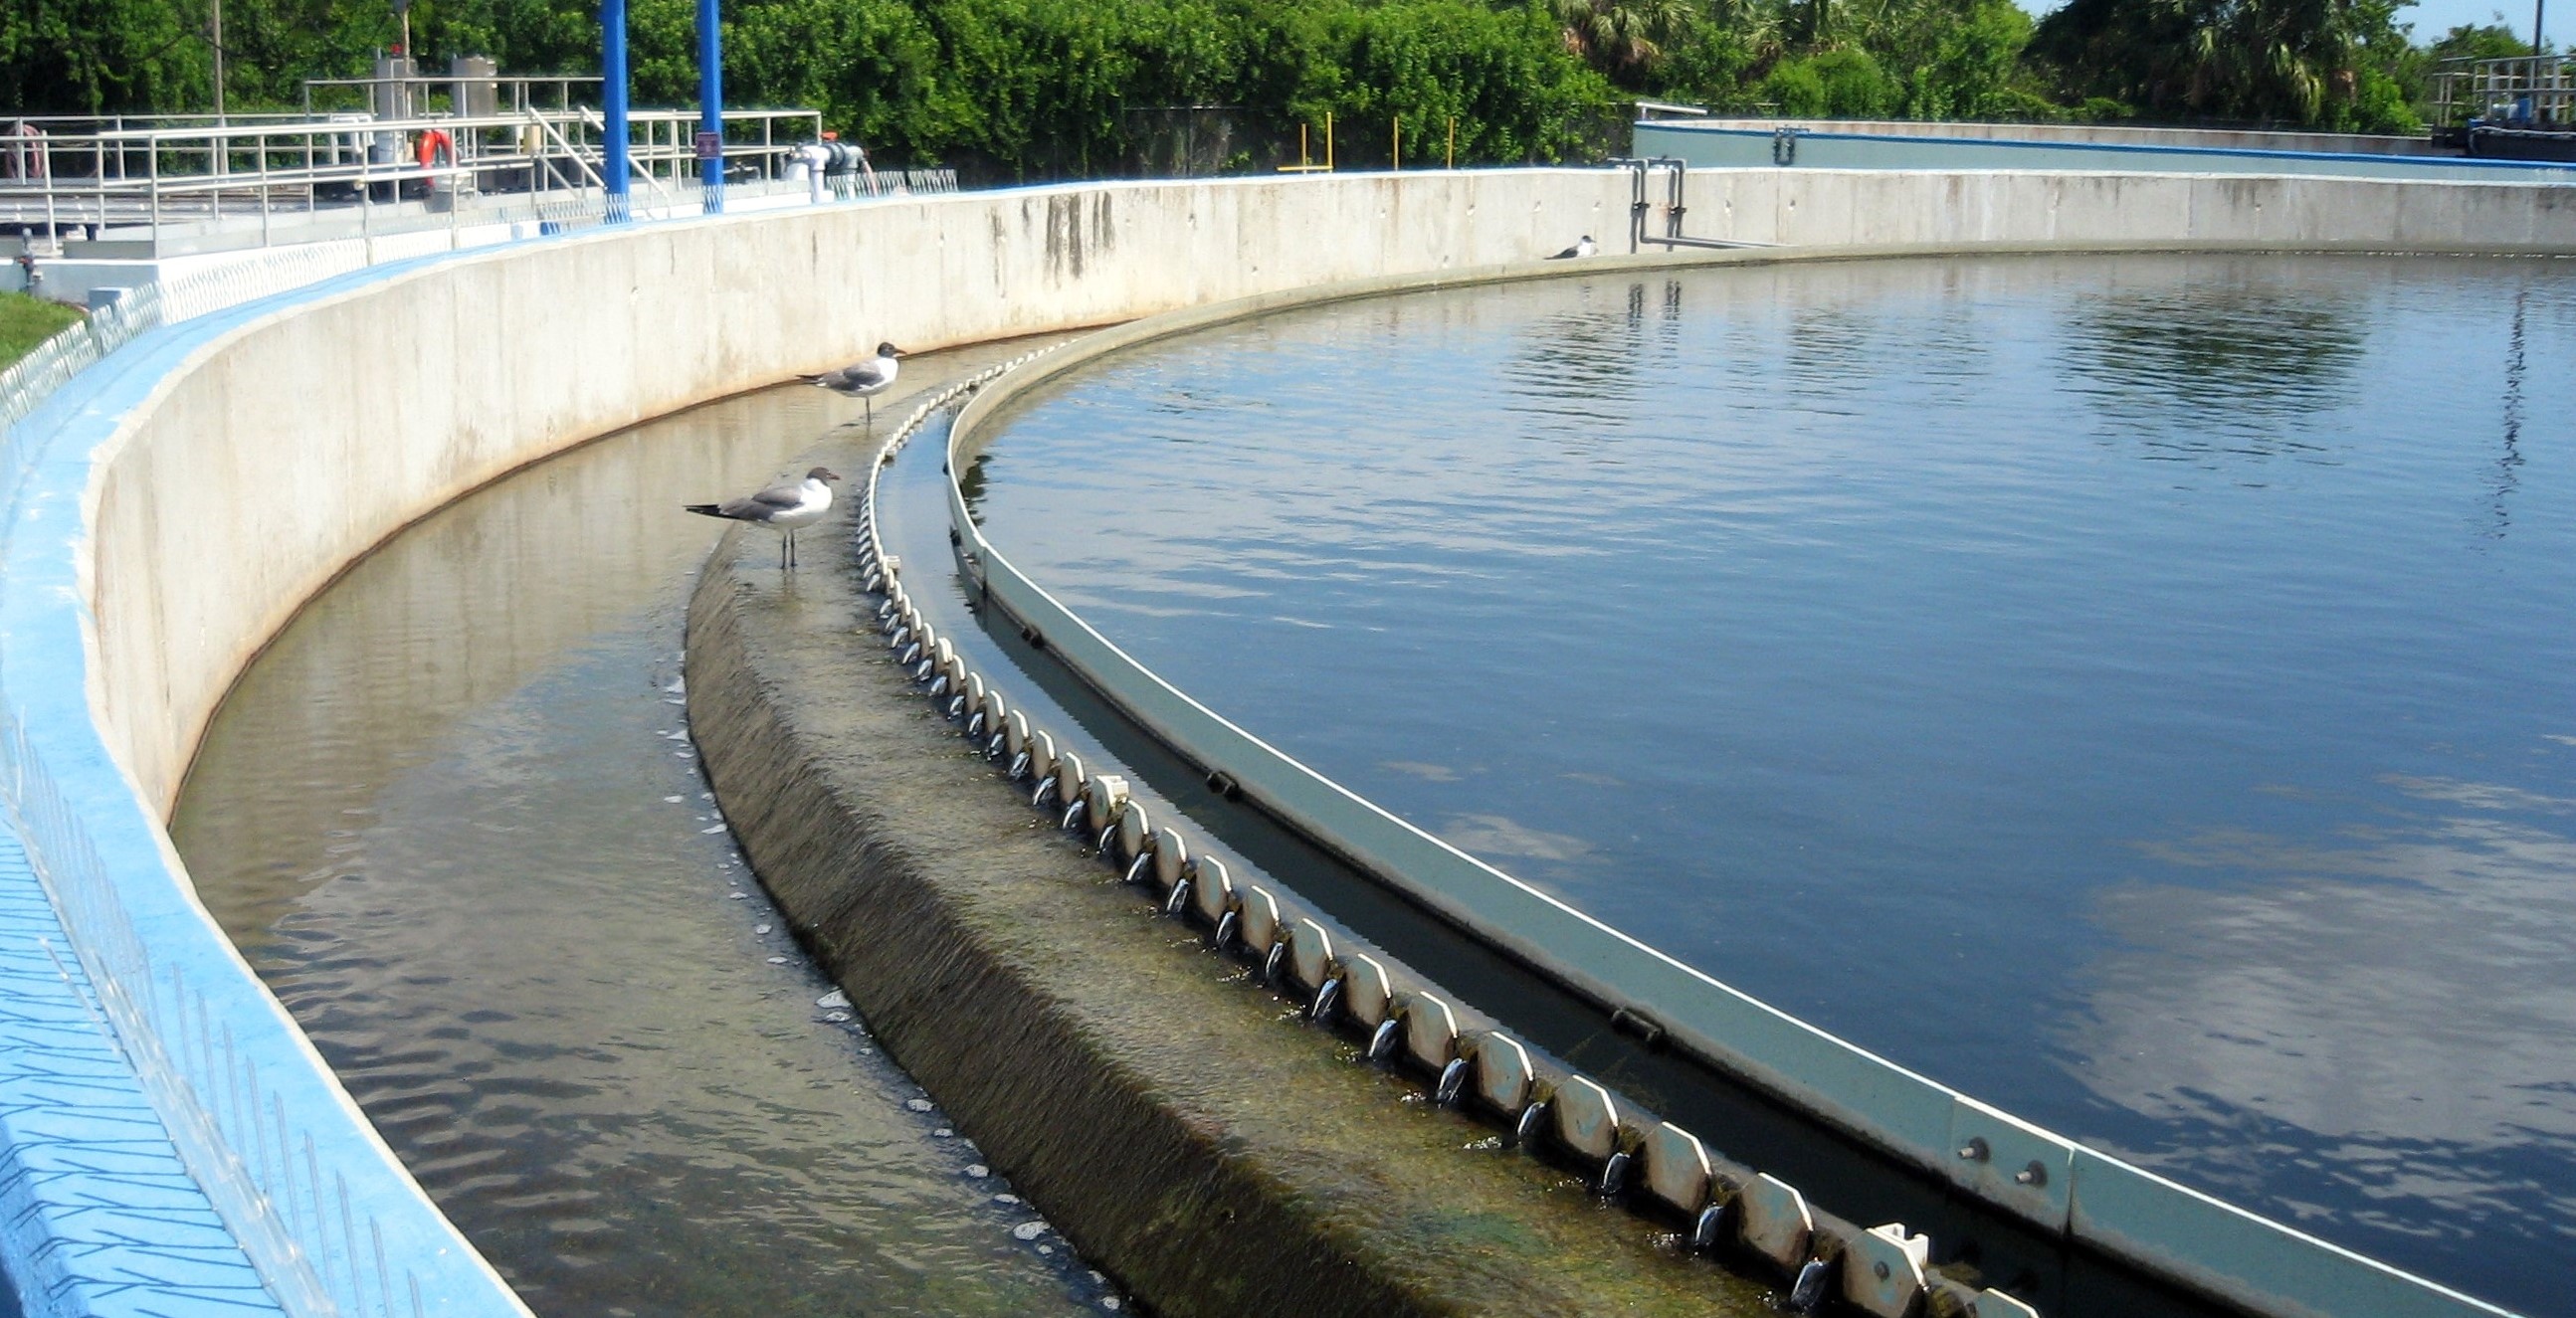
x=2073, y=1192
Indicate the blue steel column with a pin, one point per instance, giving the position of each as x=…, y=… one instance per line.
x=612, y=71
x=711, y=101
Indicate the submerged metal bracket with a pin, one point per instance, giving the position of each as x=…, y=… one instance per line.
x=1639, y=168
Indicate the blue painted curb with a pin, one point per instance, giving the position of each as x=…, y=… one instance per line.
x=97, y=1213
x=217, y=1167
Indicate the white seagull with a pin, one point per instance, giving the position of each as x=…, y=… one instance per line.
x=1580, y=249
x=783, y=508
x=865, y=379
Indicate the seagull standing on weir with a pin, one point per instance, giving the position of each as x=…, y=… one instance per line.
x=784, y=508
x=1583, y=247
x=864, y=379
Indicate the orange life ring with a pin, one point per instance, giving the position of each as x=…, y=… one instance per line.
x=436, y=148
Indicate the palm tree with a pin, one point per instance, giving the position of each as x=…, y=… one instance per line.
x=2235, y=59
x=1622, y=36
x=2271, y=59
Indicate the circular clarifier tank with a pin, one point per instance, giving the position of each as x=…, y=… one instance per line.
x=2137, y=691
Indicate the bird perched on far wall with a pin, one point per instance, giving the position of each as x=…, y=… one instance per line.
x=1584, y=247
x=864, y=379
x=784, y=508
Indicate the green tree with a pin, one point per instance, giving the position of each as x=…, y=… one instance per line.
x=1623, y=36
x=1960, y=59
x=2297, y=61
x=104, y=56
x=1795, y=91
x=1855, y=86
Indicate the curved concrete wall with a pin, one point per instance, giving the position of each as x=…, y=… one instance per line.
x=278, y=451
x=186, y=496
x=1829, y=145
x=2219, y=139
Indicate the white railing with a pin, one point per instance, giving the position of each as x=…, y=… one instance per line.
x=2527, y=90
x=889, y=183
x=206, y=185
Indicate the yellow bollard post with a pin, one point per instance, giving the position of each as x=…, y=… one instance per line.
x=1399, y=142
x=1453, y=141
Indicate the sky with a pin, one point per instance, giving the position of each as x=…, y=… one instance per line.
x=2432, y=18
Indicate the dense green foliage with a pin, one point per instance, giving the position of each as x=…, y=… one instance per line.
x=2329, y=63
x=26, y=321
x=1056, y=86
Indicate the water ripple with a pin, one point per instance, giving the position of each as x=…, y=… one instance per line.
x=2123, y=687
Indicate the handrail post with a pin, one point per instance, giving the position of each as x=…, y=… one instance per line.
x=613, y=133
x=711, y=106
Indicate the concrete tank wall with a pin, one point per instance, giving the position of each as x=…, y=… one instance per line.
x=194, y=490
x=1829, y=145
x=279, y=453
x=2219, y=139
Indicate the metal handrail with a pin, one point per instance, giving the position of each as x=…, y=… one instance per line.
x=2544, y=86
x=153, y=177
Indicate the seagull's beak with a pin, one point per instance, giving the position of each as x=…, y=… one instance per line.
x=901, y=353
x=830, y=476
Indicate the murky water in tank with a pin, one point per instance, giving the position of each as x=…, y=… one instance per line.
x=454, y=818
x=2139, y=691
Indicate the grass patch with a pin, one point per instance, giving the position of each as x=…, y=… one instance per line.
x=26, y=321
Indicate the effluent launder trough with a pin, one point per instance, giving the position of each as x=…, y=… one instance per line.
x=2134, y=690
x=454, y=817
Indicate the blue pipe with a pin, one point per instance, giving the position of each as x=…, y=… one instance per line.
x=711, y=101
x=614, y=170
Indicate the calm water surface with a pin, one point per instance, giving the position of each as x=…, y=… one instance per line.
x=2138, y=691
x=454, y=818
